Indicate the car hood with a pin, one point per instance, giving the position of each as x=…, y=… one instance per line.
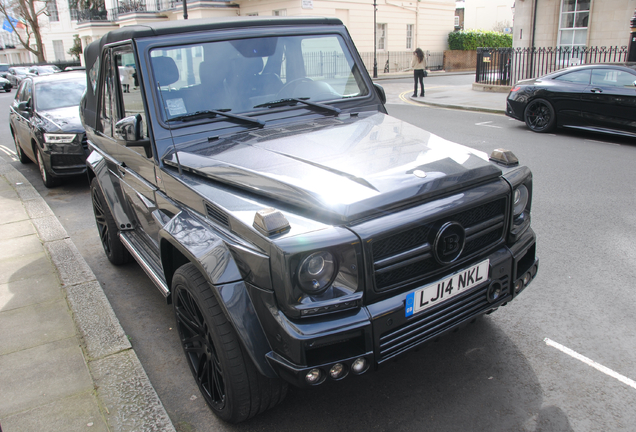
x=345, y=168
x=62, y=119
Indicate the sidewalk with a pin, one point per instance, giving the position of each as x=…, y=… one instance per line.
x=453, y=96
x=65, y=362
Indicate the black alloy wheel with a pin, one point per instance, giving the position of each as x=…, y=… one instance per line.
x=228, y=380
x=539, y=116
x=48, y=178
x=115, y=250
x=24, y=159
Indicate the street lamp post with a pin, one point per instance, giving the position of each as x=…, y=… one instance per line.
x=185, y=9
x=375, y=41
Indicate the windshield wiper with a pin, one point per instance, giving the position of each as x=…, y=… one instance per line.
x=215, y=113
x=294, y=101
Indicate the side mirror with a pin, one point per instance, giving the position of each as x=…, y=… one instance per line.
x=380, y=91
x=129, y=129
x=24, y=106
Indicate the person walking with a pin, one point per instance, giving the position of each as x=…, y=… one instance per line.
x=419, y=66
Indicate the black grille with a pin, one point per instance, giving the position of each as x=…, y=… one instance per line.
x=217, y=215
x=67, y=161
x=407, y=256
x=84, y=142
x=436, y=320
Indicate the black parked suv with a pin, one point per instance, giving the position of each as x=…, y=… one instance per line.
x=301, y=234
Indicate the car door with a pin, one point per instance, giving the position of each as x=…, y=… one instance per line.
x=136, y=169
x=610, y=99
x=22, y=118
x=565, y=94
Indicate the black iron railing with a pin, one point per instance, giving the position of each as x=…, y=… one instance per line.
x=398, y=61
x=506, y=66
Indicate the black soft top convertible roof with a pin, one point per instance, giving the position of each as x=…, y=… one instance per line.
x=197, y=25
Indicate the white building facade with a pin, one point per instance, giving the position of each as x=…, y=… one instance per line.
x=401, y=26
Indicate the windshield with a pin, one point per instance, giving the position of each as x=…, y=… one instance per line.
x=249, y=74
x=59, y=94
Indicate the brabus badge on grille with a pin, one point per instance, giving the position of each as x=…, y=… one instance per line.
x=449, y=242
x=419, y=173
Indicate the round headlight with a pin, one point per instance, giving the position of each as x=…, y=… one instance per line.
x=316, y=272
x=520, y=200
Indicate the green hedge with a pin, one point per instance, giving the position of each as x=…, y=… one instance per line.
x=473, y=39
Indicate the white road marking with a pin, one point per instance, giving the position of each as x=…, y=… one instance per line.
x=488, y=125
x=7, y=150
x=589, y=362
x=602, y=142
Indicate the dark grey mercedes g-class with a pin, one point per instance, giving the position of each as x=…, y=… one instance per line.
x=301, y=234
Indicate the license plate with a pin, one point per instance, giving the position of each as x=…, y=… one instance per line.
x=440, y=291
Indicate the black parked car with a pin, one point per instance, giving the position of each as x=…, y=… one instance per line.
x=45, y=125
x=5, y=84
x=301, y=234
x=598, y=98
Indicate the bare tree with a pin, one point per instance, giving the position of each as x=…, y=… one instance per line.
x=501, y=25
x=28, y=13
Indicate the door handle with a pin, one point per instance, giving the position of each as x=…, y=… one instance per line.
x=122, y=170
x=596, y=90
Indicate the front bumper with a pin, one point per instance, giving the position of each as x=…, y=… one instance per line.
x=67, y=159
x=380, y=332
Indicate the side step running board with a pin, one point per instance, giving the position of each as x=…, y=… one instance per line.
x=143, y=257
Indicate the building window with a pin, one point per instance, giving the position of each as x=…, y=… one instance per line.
x=58, y=49
x=51, y=8
x=381, y=36
x=573, y=25
x=72, y=9
x=409, y=36
x=279, y=12
x=252, y=14
x=456, y=21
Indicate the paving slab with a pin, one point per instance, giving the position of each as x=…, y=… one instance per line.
x=17, y=247
x=25, y=267
x=41, y=375
x=76, y=413
x=16, y=229
x=25, y=292
x=34, y=325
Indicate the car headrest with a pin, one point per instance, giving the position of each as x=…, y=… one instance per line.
x=165, y=70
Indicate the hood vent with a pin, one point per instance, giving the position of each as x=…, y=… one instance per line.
x=217, y=215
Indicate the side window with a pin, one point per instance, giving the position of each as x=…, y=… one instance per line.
x=578, y=77
x=128, y=91
x=106, y=99
x=612, y=77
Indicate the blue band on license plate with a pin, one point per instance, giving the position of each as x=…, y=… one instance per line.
x=442, y=290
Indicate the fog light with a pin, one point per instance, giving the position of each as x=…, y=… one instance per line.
x=313, y=376
x=494, y=291
x=527, y=278
x=518, y=285
x=359, y=366
x=337, y=371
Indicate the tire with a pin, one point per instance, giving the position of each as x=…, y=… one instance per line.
x=224, y=372
x=24, y=159
x=48, y=178
x=539, y=116
x=113, y=247
x=8, y=90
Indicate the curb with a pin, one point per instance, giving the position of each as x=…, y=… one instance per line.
x=128, y=401
x=460, y=107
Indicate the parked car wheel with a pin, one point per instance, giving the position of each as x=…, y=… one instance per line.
x=47, y=177
x=539, y=116
x=21, y=156
x=225, y=374
x=115, y=250
x=8, y=90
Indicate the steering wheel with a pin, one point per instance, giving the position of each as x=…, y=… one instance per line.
x=290, y=87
